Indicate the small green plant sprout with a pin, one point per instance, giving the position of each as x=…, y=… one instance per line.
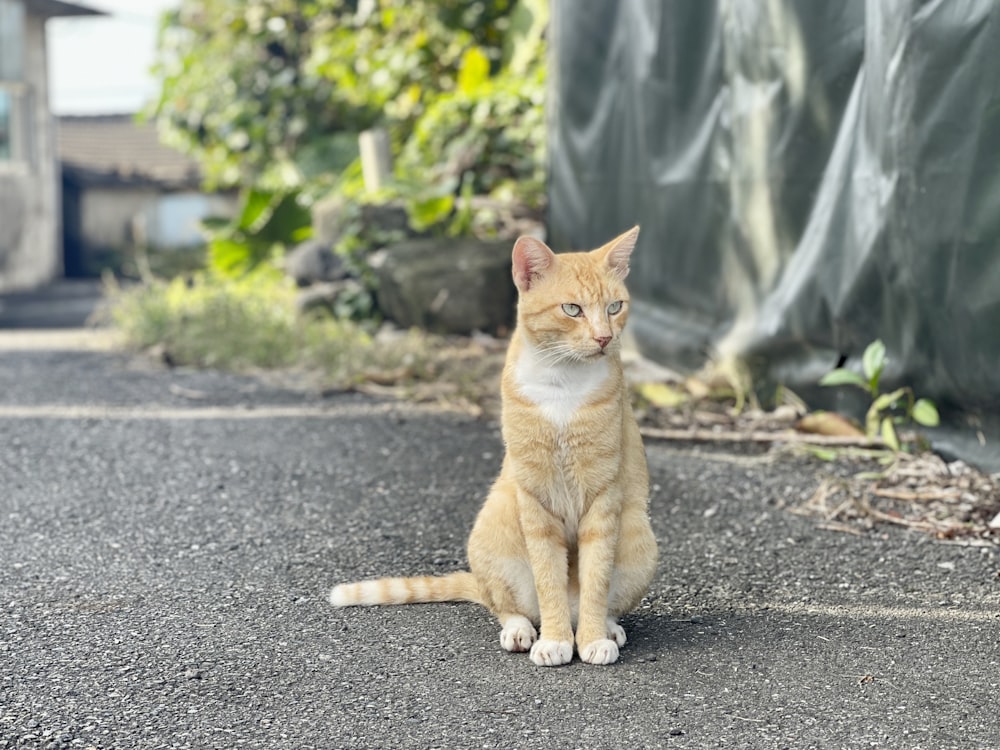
x=887, y=409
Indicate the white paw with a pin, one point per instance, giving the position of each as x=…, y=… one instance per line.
x=616, y=632
x=549, y=653
x=601, y=651
x=518, y=634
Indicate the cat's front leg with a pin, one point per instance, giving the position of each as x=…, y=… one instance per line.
x=548, y=554
x=597, y=541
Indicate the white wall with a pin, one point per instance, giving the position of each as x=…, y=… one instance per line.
x=174, y=220
x=30, y=249
x=171, y=220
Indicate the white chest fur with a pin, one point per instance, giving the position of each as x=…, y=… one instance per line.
x=559, y=389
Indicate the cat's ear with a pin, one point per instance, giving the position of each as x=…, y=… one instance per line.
x=531, y=259
x=619, y=250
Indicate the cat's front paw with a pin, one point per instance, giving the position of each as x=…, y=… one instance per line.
x=518, y=634
x=549, y=653
x=601, y=651
x=616, y=632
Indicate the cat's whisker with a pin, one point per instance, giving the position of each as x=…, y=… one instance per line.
x=553, y=356
x=558, y=351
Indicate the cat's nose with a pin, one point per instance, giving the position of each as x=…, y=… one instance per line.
x=603, y=341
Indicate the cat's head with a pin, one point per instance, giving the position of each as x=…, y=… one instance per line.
x=573, y=306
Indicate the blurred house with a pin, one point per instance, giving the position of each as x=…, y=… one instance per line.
x=122, y=188
x=30, y=248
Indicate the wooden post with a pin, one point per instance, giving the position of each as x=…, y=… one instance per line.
x=376, y=158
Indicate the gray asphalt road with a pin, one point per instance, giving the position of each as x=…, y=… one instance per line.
x=167, y=539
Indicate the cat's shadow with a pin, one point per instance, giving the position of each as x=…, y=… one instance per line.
x=652, y=635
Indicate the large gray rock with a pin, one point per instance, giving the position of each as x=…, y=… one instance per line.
x=330, y=216
x=330, y=295
x=446, y=285
x=387, y=217
x=314, y=261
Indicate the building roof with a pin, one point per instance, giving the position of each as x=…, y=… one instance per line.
x=54, y=8
x=117, y=150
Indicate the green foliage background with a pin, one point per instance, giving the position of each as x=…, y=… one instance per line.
x=270, y=94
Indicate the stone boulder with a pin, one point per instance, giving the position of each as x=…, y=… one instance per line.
x=314, y=261
x=347, y=298
x=456, y=285
x=387, y=217
x=330, y=217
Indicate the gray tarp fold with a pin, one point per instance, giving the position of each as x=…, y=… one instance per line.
x=809, y=176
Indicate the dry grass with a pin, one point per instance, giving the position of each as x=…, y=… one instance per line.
x=918, y=491
x=951, y=501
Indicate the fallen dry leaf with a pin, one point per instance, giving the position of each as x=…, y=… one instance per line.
x=662, y=395
x=828, y=423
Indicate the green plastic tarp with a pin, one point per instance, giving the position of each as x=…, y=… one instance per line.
x=809, y=176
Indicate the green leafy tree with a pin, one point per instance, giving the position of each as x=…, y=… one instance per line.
x=258, y=232
x=269, y=95
x=272, y=92
x=236, y=89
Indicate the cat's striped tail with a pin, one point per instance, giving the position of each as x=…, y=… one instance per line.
x=455, y=587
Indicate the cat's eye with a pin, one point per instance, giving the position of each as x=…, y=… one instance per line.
x=574, y=311
x=615, y=307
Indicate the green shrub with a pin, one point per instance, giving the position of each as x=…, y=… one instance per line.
x=251, y=323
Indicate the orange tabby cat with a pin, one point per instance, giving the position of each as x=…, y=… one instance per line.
x=563, y=539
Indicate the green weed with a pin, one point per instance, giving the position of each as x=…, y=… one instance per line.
x=887, y=410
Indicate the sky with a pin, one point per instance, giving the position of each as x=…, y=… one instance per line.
x=100, y=65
